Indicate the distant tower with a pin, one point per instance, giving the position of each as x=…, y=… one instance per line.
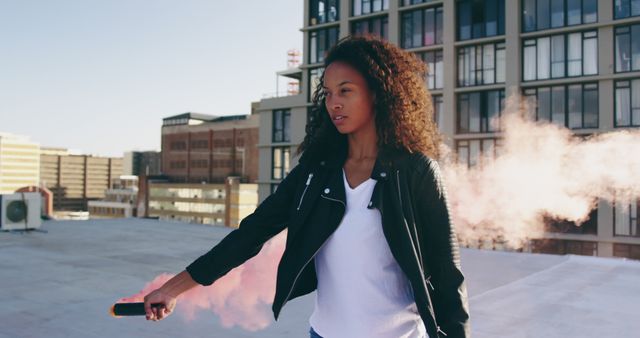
x=293, y=61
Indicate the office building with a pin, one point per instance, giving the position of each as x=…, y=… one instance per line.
x=200, y=148
x=19, y=163
x=579, y=60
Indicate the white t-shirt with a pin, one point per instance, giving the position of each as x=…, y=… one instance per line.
x=362, y=292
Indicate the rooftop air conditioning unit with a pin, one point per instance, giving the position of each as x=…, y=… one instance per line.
x=20, y=211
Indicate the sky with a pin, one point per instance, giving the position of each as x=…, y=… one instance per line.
x=99, y=76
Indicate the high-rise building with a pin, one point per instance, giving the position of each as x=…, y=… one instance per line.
x=19, y=163
x=579, y=60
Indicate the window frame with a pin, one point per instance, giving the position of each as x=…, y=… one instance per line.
x=566, y=99
x=437, y=74
x=630, y=86
x=475, y=19
x=534, y=42
x=496, y=148
x=629, y=7
x=317, y=54
x=314, y=8
x=630, y=34
x=484, y=115
x=565, y=15
x=630, y=219
x=384, y=6
x=370, y=22
x=479, y=57
x=283, y=116
x=437, y=22
x=285, y=162
x=320, y=71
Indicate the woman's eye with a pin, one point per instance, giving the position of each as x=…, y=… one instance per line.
x=345, y=90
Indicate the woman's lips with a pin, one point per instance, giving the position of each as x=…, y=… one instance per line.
x=338, y=119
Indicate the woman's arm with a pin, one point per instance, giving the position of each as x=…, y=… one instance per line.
x=269, y=218
x=442, y=255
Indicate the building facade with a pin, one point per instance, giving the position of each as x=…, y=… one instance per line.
x=578, y=59
x=74, y=180
x=19, y=163
x=200, y=148
x=216, y=204
x=120, y=200
x=139, y=163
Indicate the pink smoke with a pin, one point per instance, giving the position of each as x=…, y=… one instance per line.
x=242, y=297
x=541, y=169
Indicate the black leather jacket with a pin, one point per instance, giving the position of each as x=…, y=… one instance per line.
x=310, y=203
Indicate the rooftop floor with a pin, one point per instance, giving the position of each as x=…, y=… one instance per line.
x=61, y=283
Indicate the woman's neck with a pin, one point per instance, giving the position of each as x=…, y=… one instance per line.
x=363, y=144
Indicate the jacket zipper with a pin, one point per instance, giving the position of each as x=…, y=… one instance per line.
x=305, y=190
x=293, y=285
x=418, y=260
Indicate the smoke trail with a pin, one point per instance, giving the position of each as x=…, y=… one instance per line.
x=242, y=297
x=541, y=169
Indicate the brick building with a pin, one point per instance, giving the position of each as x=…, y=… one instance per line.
x=200, y=148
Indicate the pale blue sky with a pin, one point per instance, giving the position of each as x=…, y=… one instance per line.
x=99, y=75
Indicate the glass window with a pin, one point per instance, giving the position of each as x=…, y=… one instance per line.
x=557, y=106
x=557, y=56
x=436, y=100
x=627, y=105
x=433, y=60
x=323, y=11
x=422, y=27
x=361, y=7
x=574, y=11
x=590, y=52
x=574, y=54
x=572, y=106
x=281, y=125
x=320, y=41
x=574, y=57
x=475, y=111
x=479, y=18
x=625, y=218
x=481, y=64
x=589, y=11
x=314, y=80
x=545, y=14
x=530, y=69
x=557, y=14
x=376, y=26
x=475, y=152
x=280, y=162
x=528, y=15
x=626, y=8
x=413, y=2
x=623, y=49
x=543, y=57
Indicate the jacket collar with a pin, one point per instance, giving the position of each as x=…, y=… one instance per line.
x=382, y=168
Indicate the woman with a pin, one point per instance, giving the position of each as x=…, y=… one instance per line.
x=365, y=208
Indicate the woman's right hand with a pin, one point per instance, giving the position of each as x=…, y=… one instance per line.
x=165, y=304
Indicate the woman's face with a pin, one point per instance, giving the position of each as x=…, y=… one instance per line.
x=348, y=99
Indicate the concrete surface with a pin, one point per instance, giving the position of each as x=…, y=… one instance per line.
x=61, y=283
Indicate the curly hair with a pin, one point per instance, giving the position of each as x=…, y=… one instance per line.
x=403, y=109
